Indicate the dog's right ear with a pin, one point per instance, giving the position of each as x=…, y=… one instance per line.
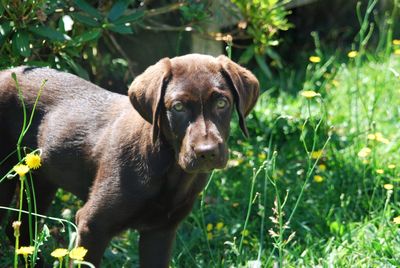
x=147, y=91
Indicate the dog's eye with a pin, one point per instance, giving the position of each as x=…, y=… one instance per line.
x=222, y=103
x=178, y=106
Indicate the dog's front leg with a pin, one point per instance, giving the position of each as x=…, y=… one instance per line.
x=155, y=247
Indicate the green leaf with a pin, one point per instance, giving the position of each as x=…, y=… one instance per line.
x=85, y=19
x=49, y=33
x=121, y=28
x=263, y=66
x=83, y=5
x=247, y=55
x=118, y=9
x=20, y=43
x=75, y=66
x=130, y=18
x=5, y=30
x=1, y=9
x=86, y=37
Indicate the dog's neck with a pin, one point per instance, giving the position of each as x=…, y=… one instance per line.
x=184, y=185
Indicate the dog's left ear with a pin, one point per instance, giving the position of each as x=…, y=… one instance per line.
x=245, y=88
x=147, y=91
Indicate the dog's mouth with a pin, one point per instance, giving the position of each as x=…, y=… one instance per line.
x=194, y=165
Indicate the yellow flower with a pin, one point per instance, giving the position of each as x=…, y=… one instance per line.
x=245, y=232
x=33, y=161
x=396, y=220
x=397, y=52
x=371, y=136
x=322, y=167
x=262, y=156
x=209, y=236
x=388, y=186
x=314, y=59
x=78, y=253
x=209, y=227
x=352, y=54
x=391, y=166
x=380, y=171
x=219, y=226
x=317, y=154
x=21, y=169
x=364, y=152
x=335, y=82
x=309, y=94
x=25, y=251
x=59, y=253
x=318, y=178
x=396, y=42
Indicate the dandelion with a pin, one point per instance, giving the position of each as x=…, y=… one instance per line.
x=379, y=171
x=396, y=42
x=352, y=54
x=391, y=166
x=78, y=253
x=209, y=227
x=309, y=94
x=16, y=226
x=314, y=59
x=318, y=178
x=21, y=169
x=245, y=232
x=59, y=253
x=25, y=251
x=396, y=220
x=364, y=152
x=33, y=161
x=388, y=186
x=209, y=236
x=317, y=154
x=219, y=226
x=322, y=167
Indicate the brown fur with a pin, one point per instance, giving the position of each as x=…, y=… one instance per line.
x=138, y=162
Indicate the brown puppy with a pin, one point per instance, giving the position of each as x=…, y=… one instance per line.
x=138, y=161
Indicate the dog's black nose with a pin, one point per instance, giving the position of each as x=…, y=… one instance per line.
x=206, y=151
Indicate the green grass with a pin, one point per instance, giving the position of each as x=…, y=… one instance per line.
x=267, y=205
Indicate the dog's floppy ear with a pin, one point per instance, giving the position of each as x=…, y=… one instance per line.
x=245, y=88
x=147, y=91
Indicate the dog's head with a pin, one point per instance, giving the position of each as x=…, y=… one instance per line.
x=189, y=100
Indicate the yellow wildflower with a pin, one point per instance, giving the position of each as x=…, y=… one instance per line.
x=364, y=152
x=59, y=253
x=380, y=171
x=21, y=169
x=318, y=178
x=314, y=59
x=322, y=167
x=219, y=226
x=388, y=186
x=78, y=253
x=33, y=161
x=396, y=220
x=209, y=227
x=309, y=94
x=352, y=54
x=396, y=42
x=391, y=166
x=317, y=154
x=335, y=82
x=262, y=156
x=397, y=52
x=371, y=136
x=25, y=251
x=245, y=232
x=209, y=236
